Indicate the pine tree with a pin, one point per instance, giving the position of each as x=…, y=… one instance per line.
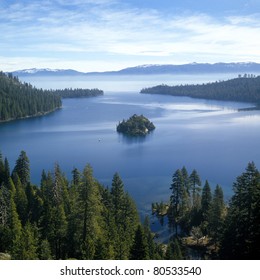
x=7, y=170
x=185, y=177
x=5, y=234
x=242, y=230
x=217, y=215
x=126, y=218
x=44, y=250
x=175, y=200
x=178, y=212
x=15, y=230
x=29, y=243
x=117, y=193
x=139, y=250
x=195, y=184
x=110, y=228
x=173, y=251
x=22, y=168
x=89, y=213
x=20, y=199
x=206, y=200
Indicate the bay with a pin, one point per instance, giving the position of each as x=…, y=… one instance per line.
x=210, y=136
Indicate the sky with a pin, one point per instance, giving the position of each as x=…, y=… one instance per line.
x=103, y=35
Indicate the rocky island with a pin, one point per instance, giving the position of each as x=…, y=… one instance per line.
x=135, y=126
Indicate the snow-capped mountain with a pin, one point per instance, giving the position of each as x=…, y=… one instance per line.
x=45, y=72
x=150, y=69
x=193, y=68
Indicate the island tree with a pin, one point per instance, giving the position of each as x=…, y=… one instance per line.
x=135, y=126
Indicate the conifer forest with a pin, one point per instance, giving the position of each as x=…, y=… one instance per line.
x=82, y=219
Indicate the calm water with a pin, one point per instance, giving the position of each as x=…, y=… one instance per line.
x=209, y=136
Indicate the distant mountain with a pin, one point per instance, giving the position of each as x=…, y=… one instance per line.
x=46, y=72
x=193, y=68
x=152, y=69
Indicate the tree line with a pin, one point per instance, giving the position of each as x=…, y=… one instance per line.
x=243, y=89
x=77, y=219
x=78, y=92
x=200, y=217
x=82, y=219
x=20, y=100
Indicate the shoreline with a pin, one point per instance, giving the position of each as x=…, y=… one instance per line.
x=40, y=114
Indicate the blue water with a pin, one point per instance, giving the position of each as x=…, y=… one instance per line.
x=210, y=136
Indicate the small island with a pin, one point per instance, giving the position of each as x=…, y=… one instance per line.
x=135, y=126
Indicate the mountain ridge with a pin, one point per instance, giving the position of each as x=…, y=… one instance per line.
x=152, y=69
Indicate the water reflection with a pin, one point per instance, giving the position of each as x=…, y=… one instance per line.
x=126, y=139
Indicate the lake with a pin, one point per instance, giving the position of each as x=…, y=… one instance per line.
x=209, y=136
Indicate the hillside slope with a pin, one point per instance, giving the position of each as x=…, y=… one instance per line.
x=20, y=100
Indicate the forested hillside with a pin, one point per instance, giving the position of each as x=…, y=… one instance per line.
x=82, y=219
x=78, y=92
x=202, y=221
x=20, y=100
x=60, y=219
x=239, y=89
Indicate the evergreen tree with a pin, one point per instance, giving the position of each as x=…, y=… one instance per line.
x=173, y=251
x=7, y=170
x=185, y=177
x=242, y=230
x=22, y=168
x=195, y=184
x=206, y=200
x=175, y=200
x=35, y=204
x=178, y=212
x=5, y=234
x=44, y=250
x=15, y=226
x=89, y=213
x=110, y=228
x=217, y=215
x=139, y=250
x=126, y=218
x=76, y=177
x=117, y=193
x=19, y=100
x=29, y=242
x=20, y=198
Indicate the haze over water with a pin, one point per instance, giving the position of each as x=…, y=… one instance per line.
x=209, y=136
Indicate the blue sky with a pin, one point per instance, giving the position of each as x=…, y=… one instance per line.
x=101, y=35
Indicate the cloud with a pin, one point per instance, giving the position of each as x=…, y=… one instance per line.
x=106, y=29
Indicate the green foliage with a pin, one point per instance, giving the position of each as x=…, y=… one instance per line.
x=179, y=200
x=239, y=89
x=20, y=100
x=225, y=231
x=217, y=214
x=61, y=220
x=85, y=220
x=242, y=228
x=135, y=126
x=173, y=251
x=22, y=168
x=78, y=92
x=139, y=250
